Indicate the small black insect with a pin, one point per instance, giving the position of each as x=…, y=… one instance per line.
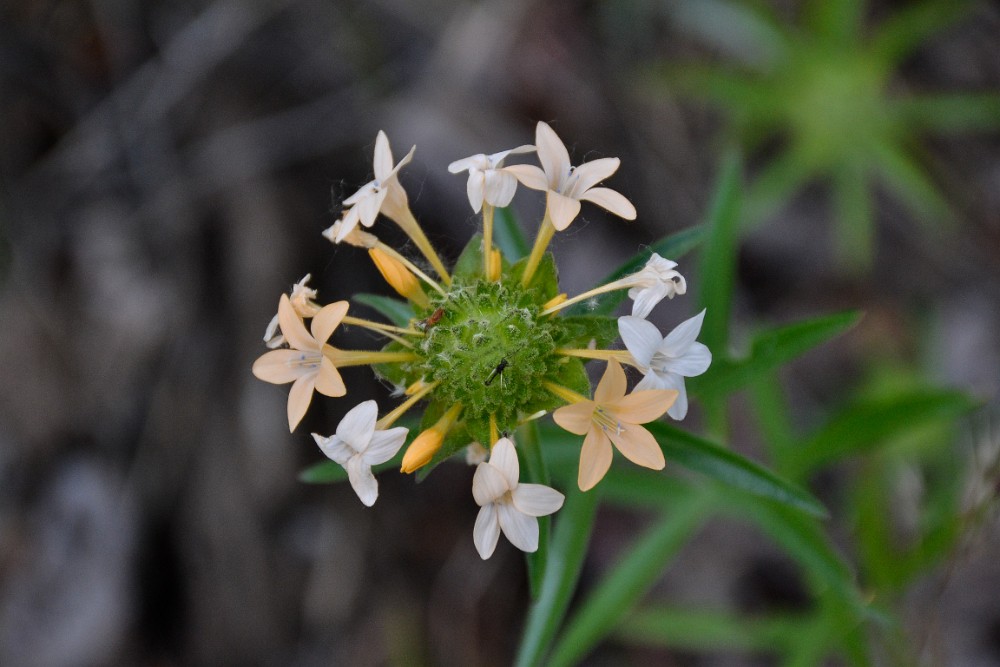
x=496, y=371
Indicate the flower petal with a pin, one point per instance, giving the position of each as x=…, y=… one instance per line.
x=562, y=210
x=529, y=175
x=500, y=187
x=536, y=499
x=612, y=385
x=641, y=338
x=488, y=484
x=299, y=398
x=646, y=297
x=358, y=425
x=475, y=189
x=362, y=480
x=589, y=174
x=575, y=418
x=679, y=409
x=639, y=446
x=497, y=158
x=384, y=445
x=382, y=161
x=335, y=449
x=642, y=407
x=520, y=529
x=369, y=207
x=293, y=328
x=326, y=320
x=552, y=154
x=679, y=340
x=328, y=381
x=504, y=458
x=472, y=162
x=278, y=367
x=347, y=224
x=694, y=362
x=613, y=201
x=486, y=532
x=595, y=459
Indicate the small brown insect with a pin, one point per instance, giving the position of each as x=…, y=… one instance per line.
x=433, y=319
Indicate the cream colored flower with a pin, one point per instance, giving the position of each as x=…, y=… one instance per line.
x=382, y=195
x=667, y=360
x=613, y=417
x=489, y=181
x=508, y=505
x=354, y=236
x=358, y=446
x=565, y=185
x=304, y=365
x=656, y=281
x=303, y=301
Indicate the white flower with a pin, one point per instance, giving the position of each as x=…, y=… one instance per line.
x=565, y=185
x=507, y=505
x=489, y=181
x=303, y=301
x=358, y=446
x=354, y=237
x=655, y=282
x=383, y=195
x=666, y=361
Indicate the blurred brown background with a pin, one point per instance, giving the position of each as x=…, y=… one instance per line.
x=167, y=168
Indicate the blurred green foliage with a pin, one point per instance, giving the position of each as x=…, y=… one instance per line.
x=824, y=91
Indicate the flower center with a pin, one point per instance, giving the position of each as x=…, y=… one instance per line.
x=607, y=421
x=307, y=360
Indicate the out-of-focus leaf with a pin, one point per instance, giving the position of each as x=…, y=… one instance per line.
x=905, y=30
x=770, y=350
x=507, y=235
x=836, y=21
x=866, y=424
x=535, y=472
x=718, y=257
x=710, y=631
x=545, y=280
x=570, y=538
x=631, y=577
x=908, y=180
x=398, y=312
x=966, y=112
x=752, y=34
x=852, y=202
x=731, y=469
x=671, y=247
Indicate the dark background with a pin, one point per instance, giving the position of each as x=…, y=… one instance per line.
x=166, y=171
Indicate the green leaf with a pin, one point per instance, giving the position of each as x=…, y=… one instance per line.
x=731, y=469
x=904, y=31
x=507, y=235
x=710, y=631
x=869, y=423
x=396, y=311
x=545, y=282
x=568, y=548
x=469, y=265
x=718, y=258
x=577, y=331
x=630, y=579
x=533, y=463
x=853, y=204
x=963, y=112
x=910, y=183
x=671, y=247
x=769, y=351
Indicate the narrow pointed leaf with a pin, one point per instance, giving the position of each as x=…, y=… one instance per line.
x=731, y=469
x=770, y=350
x=398, y=312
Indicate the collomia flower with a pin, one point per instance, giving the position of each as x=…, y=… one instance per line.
x=667, y=360
x=506, y=504
x=484, y=346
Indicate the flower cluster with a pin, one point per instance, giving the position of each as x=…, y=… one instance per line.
x=489, y=345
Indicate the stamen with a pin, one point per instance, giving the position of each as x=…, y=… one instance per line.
x=607, y=421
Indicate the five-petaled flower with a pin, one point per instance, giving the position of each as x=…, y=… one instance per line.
x=383, y=195
x=358, y=446
x=667, y=360
x=565, y=185
x=613, y=417
x=507, y=505
x=489, y=181
x=304, y=365
x=656, y=281
x=303, y=301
